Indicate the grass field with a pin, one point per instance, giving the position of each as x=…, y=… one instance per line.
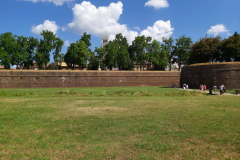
x=118, y=123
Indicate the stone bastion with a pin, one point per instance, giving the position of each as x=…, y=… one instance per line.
x=227, y=73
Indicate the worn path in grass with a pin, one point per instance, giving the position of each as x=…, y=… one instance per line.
x=216, y=93
x=127, y=123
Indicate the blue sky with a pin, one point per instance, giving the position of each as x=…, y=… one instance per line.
x=156, y=18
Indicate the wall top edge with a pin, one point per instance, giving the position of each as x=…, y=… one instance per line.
x=214, y=63
x=89, y=71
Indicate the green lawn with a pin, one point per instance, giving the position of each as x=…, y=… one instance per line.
x=118, y=123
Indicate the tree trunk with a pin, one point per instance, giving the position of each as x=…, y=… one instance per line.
x=179, y=66
x=170, y=66
x=72, y=66
x=45, y=65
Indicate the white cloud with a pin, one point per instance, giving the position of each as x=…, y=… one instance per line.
x=56, y=2
x=98, y=21
x=104, y=20
x=219, y=28
x=64, y=28
x=47, y=25
x=159, y=30
x=66, y=43
x=137, y=28
x=157, y=4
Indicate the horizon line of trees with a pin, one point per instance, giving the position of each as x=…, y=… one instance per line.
x=22, y=51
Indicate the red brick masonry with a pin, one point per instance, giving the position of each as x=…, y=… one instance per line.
x=55, y=79
x=227, y=73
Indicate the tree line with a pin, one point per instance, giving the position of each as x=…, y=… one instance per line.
x=23, y=51
x=215, y=49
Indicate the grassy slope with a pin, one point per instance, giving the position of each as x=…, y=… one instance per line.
x=47, y=125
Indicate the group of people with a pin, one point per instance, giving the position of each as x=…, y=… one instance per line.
x=202, y=87
x=222, y=88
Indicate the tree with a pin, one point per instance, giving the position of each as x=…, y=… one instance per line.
x=5, y=58
x=82, y=52
x=100, y=56
x=93, y=62
x=231, y=48
x=111, y=54
x=159, y=55
x=140, y=47
x=71, y=56
x=205, y=50
x=20, y=55
x=181, y=50
x=86, y=38
x=168, y=48
x=77, y=54
x=31, y=48
x=58, y=43
x=47, y=44
x=40, y=59
x=7, y=45
x=123, y=59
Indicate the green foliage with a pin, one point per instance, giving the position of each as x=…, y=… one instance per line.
x=181, y=50
x=31, y=48
x=86, y=38
x=93, y=61
x=7, y=45
x=158, y=54
x=100, y=56
x=140, y=45
x=20, y=55
x=77, y=54
x=58, y=43
x=47, y=44
x=231, y=48
x=205, y=50
x=167, y=47
x=111, y=54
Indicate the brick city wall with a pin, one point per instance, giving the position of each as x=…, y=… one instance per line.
x=54, y=79
x=227, y=73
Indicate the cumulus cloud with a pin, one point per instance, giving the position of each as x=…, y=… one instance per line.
x=159, y=30
x=137, y=28
x=219, y=28
x=64, y=28
x=98, y=21
x=104, y=20
x=66, y=43
x=56, y=2
x=47, y=25
x=157, y=4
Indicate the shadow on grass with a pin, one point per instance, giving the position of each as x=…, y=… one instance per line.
x=164, y=87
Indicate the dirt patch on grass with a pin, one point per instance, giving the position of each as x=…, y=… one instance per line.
x=98, y=110
x=195, y=147
x=14, y=100
x=92, y=101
